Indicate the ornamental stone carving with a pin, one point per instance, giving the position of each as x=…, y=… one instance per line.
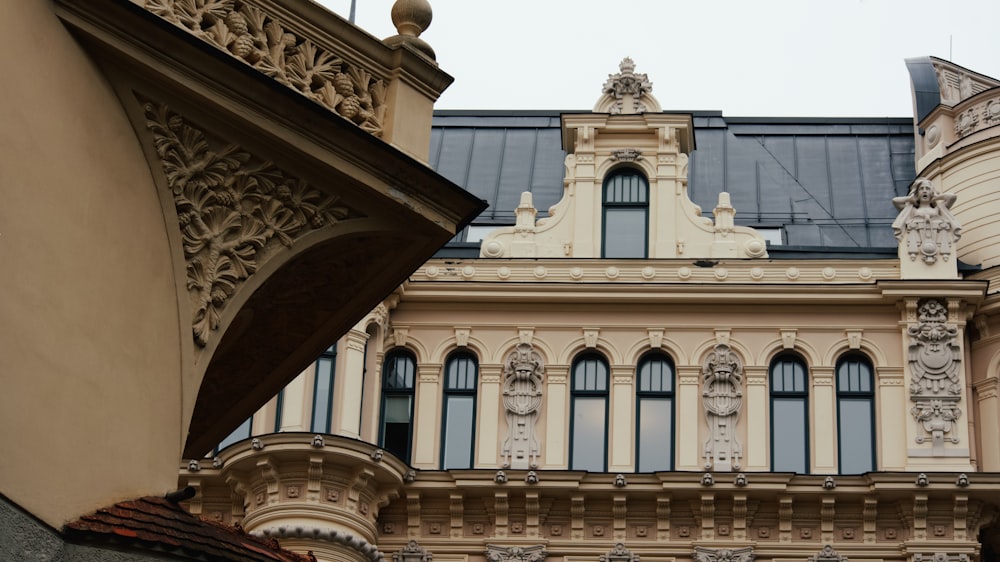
x=233, y=209
x=619, y=554
x=495, y=553
x=412, y=552
x=935, y=371
x=940, y=557
x=627, y=84
x=702, y=554
x=925, y=226
x=828, y=554
x=522, y=396
x=262, y=41
x=722, y=395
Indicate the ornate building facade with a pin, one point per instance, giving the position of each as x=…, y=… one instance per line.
x=807, y=372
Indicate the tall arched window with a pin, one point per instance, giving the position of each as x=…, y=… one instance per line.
x=322, y=409
x=855, y=414
x=589, y=429
x=626, y=214
x=789, y=415
x=654, y=397
x=398, y=375
x=458, y=426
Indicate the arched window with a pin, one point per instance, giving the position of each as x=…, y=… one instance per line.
x=322, y=408
x=654, y=397
x=626, y=214
x=789, y=415
x=855, y=414
x=398, y=374
x=589, y=428
x=458, y=426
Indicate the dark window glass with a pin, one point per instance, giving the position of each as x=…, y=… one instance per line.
x=459, y=422
x=240, y=433
x=626, y=215
x=398, y=374
x=588, y=443
x=655, y=412
x=789, y=416
x=855, y=415
x=322, y=409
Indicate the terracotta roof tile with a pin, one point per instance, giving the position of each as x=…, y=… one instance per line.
x=158, y=524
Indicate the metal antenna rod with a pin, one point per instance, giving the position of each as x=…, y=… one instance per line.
x=354, y=5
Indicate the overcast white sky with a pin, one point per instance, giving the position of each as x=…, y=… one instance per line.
x=743, y=57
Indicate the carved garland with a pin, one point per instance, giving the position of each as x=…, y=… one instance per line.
x=260, y=40
x=232, y=209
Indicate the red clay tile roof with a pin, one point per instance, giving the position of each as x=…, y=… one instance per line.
x=154, y=523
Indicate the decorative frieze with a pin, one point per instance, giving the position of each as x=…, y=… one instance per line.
x=233, y=209
x=264, y=42
x=935, y=370
x=722, y=395
x=522, y=396
x=925, y=226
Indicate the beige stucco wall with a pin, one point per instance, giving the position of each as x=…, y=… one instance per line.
x=89, y=335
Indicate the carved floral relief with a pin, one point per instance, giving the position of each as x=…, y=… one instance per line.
x=262, y=41
x=232, y=209
x=935, y=370
x=522, y=396
x=722, y=395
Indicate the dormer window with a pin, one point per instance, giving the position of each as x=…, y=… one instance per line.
x=626, y=214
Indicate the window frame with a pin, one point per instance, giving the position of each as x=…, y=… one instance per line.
x=785, y=395
x=605, y=205
x=329, y=355
x=387, y=392
x=589, y=394
x=869, y=396
x=656, y=395
x=449, y=392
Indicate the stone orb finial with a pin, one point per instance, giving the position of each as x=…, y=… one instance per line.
x=411, y=18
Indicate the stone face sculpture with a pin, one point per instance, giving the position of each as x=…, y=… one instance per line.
x=925, y=225
x=722, y=395
x=522, y=396
x=935, y=371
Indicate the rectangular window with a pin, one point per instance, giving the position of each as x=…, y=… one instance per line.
x=788, y=427
x=460, y=415
x=655, y=434
x=589, y=433
x=396, y=428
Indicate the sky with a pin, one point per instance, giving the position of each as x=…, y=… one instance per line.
x=794, y=58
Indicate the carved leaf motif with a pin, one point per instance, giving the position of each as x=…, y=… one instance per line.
x=310, y=67
x=230, y=208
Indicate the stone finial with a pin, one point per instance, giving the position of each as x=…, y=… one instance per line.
x=411, y=18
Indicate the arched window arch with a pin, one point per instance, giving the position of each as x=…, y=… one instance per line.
x=789, y=415
x=396, y=427
x=589, y=427
x=654, y=397
x=458, y=424
x=626, y=214
x=855, y=414
x=322, y=407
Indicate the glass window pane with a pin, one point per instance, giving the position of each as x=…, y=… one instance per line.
x=240, y=433
x=322, y=395
x=789, y=430
x=458, y=433
x=856, y=436
x=624, y=233
x=589, y=427
x=656, y=375
x=655, y=434
x=396, y=425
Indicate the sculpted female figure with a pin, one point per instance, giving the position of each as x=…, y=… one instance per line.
x=925, y=223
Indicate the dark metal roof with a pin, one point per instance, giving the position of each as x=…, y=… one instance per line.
x=826, y=182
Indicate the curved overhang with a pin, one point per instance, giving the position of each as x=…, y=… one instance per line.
x=287, y=219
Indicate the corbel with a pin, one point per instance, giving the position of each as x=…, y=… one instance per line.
x=869, y=514
x=739, y=516
x=785, y=513
x=707, y=509
x=457, y=509
x=413, y=513
x=827, y=513
x=619, y=510
x=576, y=510
x=501, y=506
x=531, y=512
x=663, y=517
x=269, y=473
x=315, y=473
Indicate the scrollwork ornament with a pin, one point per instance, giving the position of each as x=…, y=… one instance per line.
x=627, y=82
x=233, y=210
x=702, y=554
x=827, y=554
x=619, y=554
x=935, y=369
x=412, y=552
x=496, y=553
